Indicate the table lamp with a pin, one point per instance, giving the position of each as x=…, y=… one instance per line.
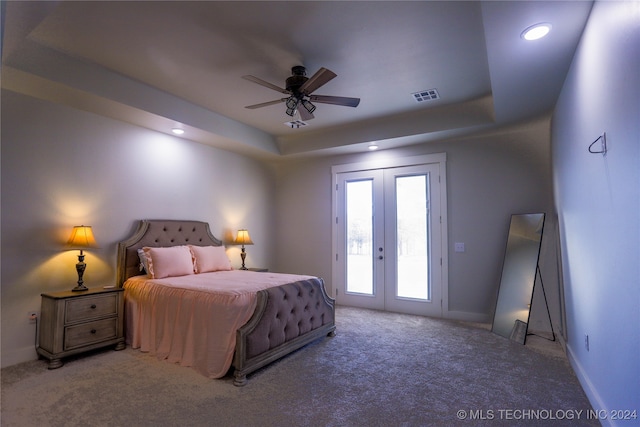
x=243, y=238
x=81, y=238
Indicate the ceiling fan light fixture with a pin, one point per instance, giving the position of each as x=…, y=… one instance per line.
x=292, y=105
x=308, y=106
x=536, y=31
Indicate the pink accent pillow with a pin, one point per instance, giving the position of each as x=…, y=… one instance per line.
x=168, y=262
x=210, y=258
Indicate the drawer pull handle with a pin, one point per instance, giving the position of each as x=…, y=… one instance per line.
x=93, y=331
x=93, y=306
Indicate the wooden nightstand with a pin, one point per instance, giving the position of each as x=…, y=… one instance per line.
x=75, y=322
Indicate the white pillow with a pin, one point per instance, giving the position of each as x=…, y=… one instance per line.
x=168, y=262
x=210, y=258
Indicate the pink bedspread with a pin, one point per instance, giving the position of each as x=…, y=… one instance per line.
x=192, y=320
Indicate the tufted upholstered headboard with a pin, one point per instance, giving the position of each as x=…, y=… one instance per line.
x=160, y=233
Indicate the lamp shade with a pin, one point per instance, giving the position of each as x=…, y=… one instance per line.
x=243, y=238
x=82, y=238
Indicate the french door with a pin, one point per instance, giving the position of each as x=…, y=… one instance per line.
x=388, y=239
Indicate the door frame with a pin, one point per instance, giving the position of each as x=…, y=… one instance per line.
x=438, y=158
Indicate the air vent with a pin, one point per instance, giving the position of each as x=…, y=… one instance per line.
x=295, y=124
x=426, y=95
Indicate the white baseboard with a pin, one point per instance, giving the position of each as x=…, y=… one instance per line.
x=467, y=316
x=587, y=386
x=15, y=356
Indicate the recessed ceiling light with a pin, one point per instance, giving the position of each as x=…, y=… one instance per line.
x=373, y=147
x=177, y=131
x=536, y=31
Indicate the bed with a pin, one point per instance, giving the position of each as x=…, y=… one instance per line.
x=214, y=321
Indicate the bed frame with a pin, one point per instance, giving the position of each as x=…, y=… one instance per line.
x=267, y=336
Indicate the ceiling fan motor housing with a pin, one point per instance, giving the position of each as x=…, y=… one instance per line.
x=297, y=79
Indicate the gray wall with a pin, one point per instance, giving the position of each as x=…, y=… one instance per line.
x=489, y=178
x=62, y=167
x=598, y=202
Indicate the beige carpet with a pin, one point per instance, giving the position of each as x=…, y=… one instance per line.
x=382, y=369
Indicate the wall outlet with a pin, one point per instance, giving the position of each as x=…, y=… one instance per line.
x=33, y=316
x=586, y=341
x=458, y=247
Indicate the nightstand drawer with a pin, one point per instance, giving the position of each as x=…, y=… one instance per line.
x=88, y=333
x=80, y=309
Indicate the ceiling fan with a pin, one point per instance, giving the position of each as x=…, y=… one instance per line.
x=299, y=87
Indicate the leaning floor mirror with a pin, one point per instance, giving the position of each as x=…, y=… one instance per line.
x=519, y=271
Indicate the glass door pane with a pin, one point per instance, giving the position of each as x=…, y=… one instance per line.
x=412, y=240
x=359, y=222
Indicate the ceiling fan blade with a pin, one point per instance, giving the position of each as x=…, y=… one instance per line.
x=335, y=100
x=321, y=77
x=265, y=104
x=265, y=84
x=304, y=114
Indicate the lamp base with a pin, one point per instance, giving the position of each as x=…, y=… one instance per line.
x=80, y=266
x=243, y=255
